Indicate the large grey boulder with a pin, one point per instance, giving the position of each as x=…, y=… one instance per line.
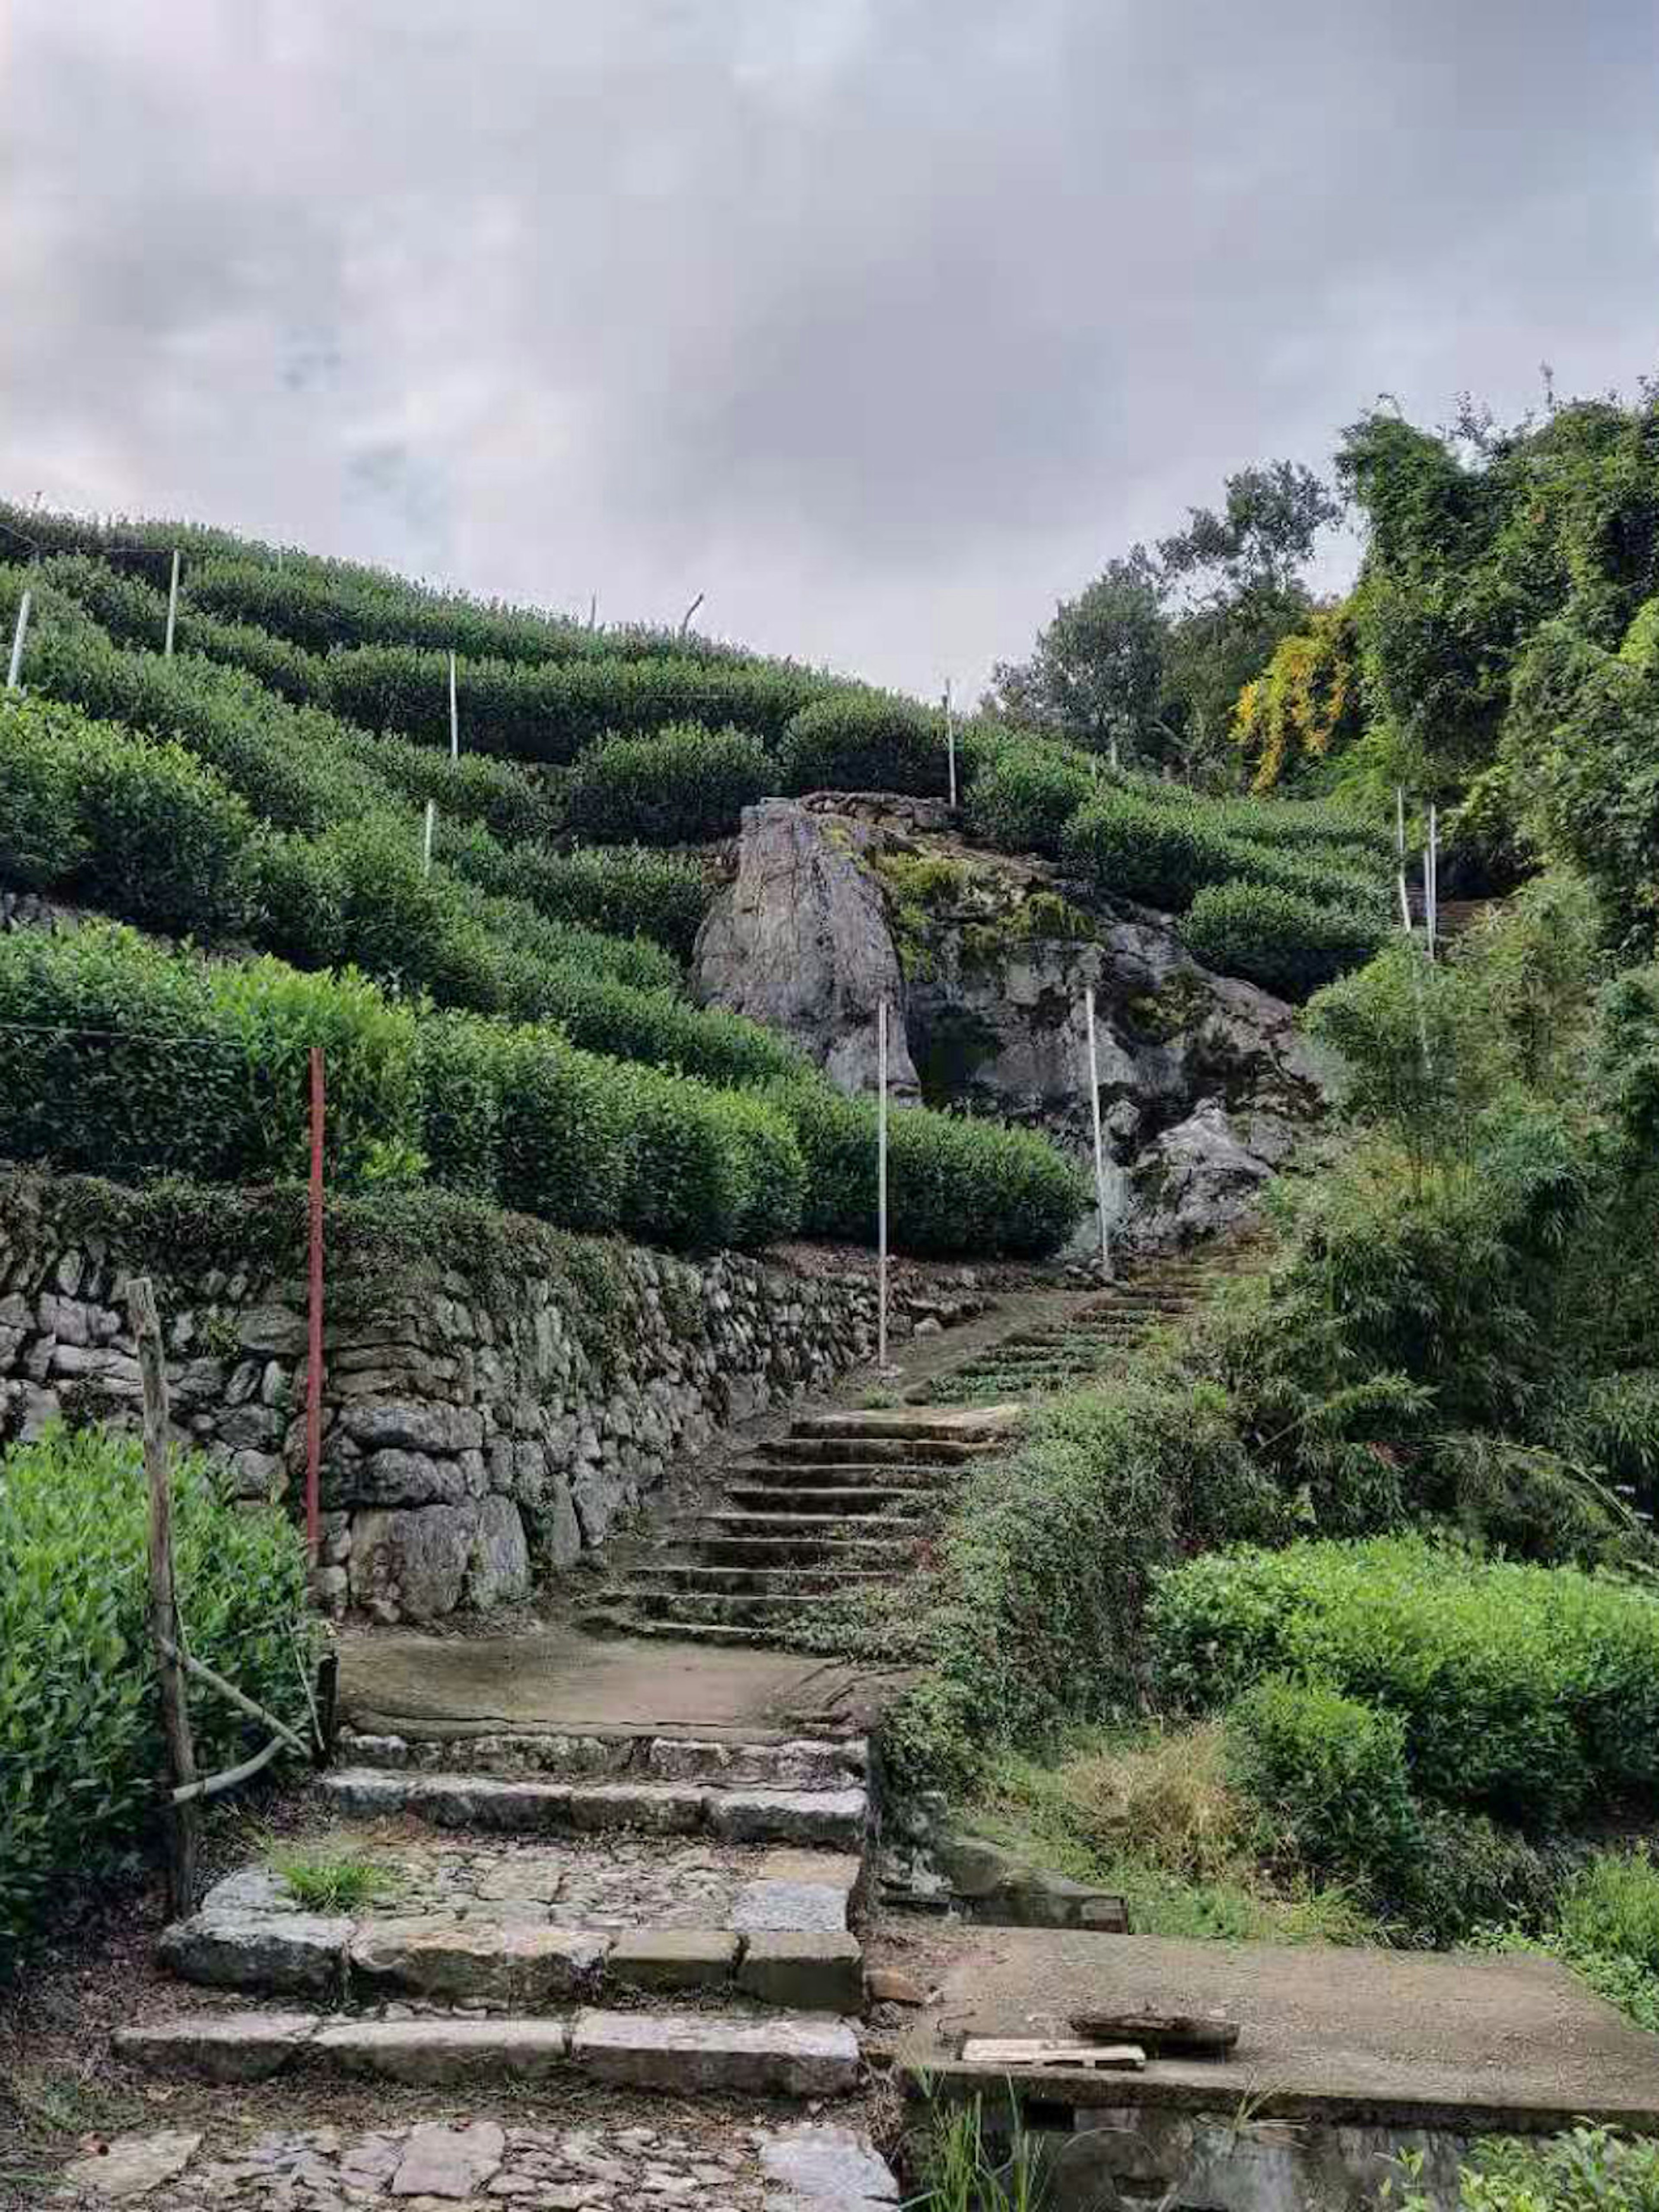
x=800, y=941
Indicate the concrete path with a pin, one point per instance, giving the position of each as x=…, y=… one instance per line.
x=1383, y=2038
x=558, y=1678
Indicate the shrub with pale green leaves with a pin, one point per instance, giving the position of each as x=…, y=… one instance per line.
x=1022, y=801
x=1328, y=1775
x=864, y=741
x=80, y=1718
x=1286, y=942
x=684, y=783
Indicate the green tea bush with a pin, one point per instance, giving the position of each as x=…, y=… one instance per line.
x=80, y=1737
x=684, y=783
x=864, y=741
x=1130, y=848
x=554, y=712
x=1471, y=1874
x=146, y=831
x=1023, y=800
x=1328, y=1776
x=1526, y=1691
x=622, y=891
x=44, y=843
x=706, y=1168
x=611, y=1017
x=1588, y=2169
x=955, y=1185
x=1612, y=1906
x=1284, y=942
x=120, y=1059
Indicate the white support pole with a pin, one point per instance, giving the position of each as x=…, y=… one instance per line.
x=454, y=715
x=1432, y=879
x=881, y=1182
x=1113, y=748
x=431, y=825
x=949, y=741
x=594, y=610
x=1100, y=1148
x=1400, y=857
x=172, y=606
x=17, y=637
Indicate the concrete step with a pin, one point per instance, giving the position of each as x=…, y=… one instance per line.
x=753, y=1582
x=879, y=1451
x=904, y=1423
x=787, y=2054
x=799, y=1763
x=890, y=1501
x=718, y=1548
x=739, y=1609
x=826, y=1818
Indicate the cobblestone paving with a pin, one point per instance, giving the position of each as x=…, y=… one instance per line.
x=481, y=2166
x=620, y=1882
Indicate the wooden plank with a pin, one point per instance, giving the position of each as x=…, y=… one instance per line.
x=181, y=1821
x=1194, y=2034
x=1038, y=2051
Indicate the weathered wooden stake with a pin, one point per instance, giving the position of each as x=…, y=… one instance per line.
x=182, y=1821
x=173, y=607
x=1100, y=1149
x=17, y=637
x=881, y=1182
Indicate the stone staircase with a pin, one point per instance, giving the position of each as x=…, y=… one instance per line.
x=844, y=1500
x=652, y=1912
x=1060, y=1354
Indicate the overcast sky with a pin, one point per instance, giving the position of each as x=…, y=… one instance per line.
x=883, y=323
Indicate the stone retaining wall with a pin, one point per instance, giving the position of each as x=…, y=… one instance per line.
x=470, y=1442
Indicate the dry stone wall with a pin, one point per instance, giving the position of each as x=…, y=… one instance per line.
x=472, y=1443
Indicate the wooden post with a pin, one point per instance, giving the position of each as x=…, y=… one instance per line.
x=314, y=1319
x=172, y=606
x=182, y=1821
x=454, y=715
x=17, y=637
x=950, y=741
x=1100, y=1149
x=881, y=1182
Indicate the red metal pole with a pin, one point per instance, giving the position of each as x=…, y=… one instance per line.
x=314, y=1367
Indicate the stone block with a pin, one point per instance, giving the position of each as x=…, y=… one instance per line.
x=498, y=1567
x=688, y=2052
x=392, y=1476
x=228, y=2047
x=132, y=2167
x=271, y=1329
x=416, y=1427
x=828, y=2169
x=279, y=1954
x=804, y=1972
x=431, y=2053
x=414, y=1561
x=445, y=2162
x=509, y=1964
x=673, y=1958
x=833, y=1817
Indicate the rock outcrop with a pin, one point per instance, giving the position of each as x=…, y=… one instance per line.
x=840, y=899
x=801, y=942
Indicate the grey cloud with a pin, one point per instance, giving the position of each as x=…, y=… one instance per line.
x=883, y=322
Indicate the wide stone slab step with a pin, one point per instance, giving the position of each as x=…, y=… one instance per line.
x=894, y=1501
x=752, y=1582
x=801, y=1763
x=718, y=1546
x=761, y=1466
x=881, y=1451
x=742, y=1608
x=781, y=2056
x=835, y=1819
x=908, y=1423
x=618, y=1620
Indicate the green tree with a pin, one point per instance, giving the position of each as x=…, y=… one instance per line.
x=1097, y=670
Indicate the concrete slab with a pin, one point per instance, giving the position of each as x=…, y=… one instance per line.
x=1398, y=2037
x=559, y=1680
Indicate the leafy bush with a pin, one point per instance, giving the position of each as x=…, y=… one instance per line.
x=80, y=1738
x=864, y=741
x=1328, y=1774
x=1471, y=1874
x=955, y=1185
x=1130, y=848
x=1527, y=1691
x=706, y=1168
x=684, y=783
x=1589, y=2169
x=650, y=1026
x=138, y=827
x=1613, y=1907
x=1024, y=800
x=625, y=891
x=1286, y=942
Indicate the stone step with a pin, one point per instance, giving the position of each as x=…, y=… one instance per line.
x=904, y=1425
x=832, y=1819
x=784, y=2055
x=717, y=1547
x=617, y=1621
x=880, y=1451
x=890, y=1501
x=843, y=1473
x=740, y=1609
x=801, y=1763
x=754, y=1581
x=851, y=1525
